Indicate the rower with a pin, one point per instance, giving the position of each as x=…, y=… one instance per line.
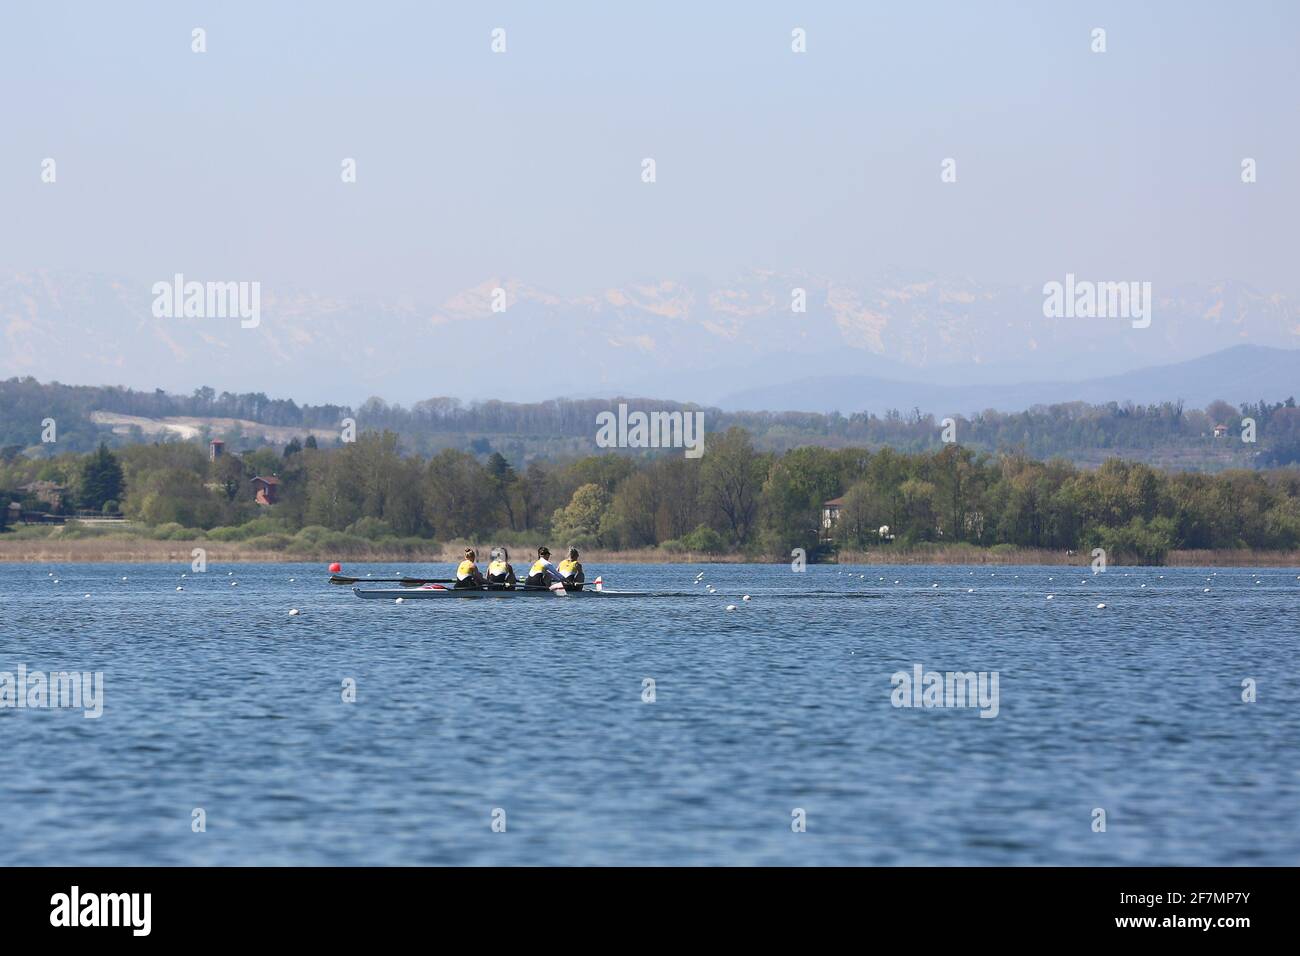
x=467, y=573
x=500, y=573
x=543, y=574
x=571, y=571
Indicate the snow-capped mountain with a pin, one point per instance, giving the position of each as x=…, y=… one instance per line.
x=689, y=340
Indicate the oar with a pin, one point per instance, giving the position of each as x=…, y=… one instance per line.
x=405, y=582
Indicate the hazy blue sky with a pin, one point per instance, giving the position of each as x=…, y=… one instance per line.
x=527, y=164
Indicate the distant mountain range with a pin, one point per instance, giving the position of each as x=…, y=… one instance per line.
x=890, y=340
x=1243, y=373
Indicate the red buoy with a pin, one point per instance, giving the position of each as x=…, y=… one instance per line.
x=335, y=568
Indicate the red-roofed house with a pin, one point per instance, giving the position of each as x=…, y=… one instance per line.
x=266, y=489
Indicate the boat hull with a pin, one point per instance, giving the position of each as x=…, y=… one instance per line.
x=422, y=594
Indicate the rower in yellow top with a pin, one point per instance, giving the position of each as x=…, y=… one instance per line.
x=543, y=574
x=571, y=571
x=500, y=573
x=467, y=573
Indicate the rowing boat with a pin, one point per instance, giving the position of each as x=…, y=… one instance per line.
x=422, y=593
x=419, y=589
x=417, y=594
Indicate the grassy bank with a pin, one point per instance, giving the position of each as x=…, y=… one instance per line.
x=36, y=545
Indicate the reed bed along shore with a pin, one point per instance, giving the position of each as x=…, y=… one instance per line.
x=130, y=549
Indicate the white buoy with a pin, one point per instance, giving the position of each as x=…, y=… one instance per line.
x=934, y=585
x=230, y=574
x=1050, y=596
x=180, y=589
x=731, y=607
x=124, y=579
x=291, y=580
x=1101, y=607
x=745, y=598
x=400, y=601
x=234, y=584
x=970, y=590
x=1206, y=591
x=56, y=580
x=293, y=612
x=87, y=595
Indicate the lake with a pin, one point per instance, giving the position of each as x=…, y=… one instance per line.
x=769, y=735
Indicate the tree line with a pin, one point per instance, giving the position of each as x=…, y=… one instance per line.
x=736, y=498
x=1164, y=433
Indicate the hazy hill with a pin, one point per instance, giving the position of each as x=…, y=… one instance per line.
x=1243, y=373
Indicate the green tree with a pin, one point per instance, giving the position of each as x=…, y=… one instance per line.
x=678, y=490
x=458, y=498
x=101, y=478
x=864, y=511
x=533, y=490
x=501, y=477
x=579, y=522
x=635, y=511
x=796, y=485
x=732, y=476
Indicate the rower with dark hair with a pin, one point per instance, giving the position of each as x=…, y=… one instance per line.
x=543, y=574
x=467, y=573
x=571, y=571
x=500, y=573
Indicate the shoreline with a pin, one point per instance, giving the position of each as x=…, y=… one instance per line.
x=148, y=551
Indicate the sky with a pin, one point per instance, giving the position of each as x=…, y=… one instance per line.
x=472, y=164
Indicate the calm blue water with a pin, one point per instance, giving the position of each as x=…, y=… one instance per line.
x=216, y=698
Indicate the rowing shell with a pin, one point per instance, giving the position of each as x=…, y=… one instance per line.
x=419, y=594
